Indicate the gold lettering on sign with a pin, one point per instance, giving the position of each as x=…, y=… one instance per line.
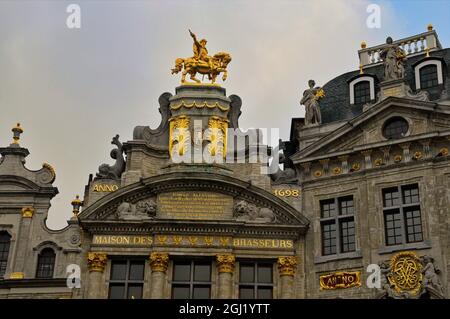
x=193, y=241
x=195, y=205
x=340, y=280
x=122, y=240
x=105, y=188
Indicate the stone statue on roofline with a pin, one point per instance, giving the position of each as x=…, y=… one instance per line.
x=310, y=100
x=393, y=60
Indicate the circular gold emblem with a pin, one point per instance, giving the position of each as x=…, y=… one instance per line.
x=405, y=275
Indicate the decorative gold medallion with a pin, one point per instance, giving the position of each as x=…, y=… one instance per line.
x=405, y=273
x=444, y=151
x=417, y=155
x=397, y=158
x=378, y=162
x=318, y=173
x=356, y=167
x=337, y=170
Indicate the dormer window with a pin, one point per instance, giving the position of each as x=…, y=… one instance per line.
x=428, y=73
x=362, y=89
x=428, y=76
x=362, y=92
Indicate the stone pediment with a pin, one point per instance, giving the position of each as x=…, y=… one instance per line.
x=366, y=129
x=192, y=198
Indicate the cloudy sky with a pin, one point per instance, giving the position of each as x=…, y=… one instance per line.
x=73, y=89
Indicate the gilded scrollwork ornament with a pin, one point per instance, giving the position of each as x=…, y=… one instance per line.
x=287, y=265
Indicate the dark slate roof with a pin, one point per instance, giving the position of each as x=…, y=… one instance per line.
x=335, y=106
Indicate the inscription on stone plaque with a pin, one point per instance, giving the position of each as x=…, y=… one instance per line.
x=195, y=205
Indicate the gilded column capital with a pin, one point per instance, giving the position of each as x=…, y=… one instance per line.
x=225, y=263
x=27, y=212
x=287, y=265
x=159, y=261
x=97, y=261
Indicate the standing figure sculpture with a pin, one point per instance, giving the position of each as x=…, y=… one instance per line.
x=310, y=100
x=393, y=59
x=202, y=63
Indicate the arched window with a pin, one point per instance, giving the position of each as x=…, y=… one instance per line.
x=5, y=242
x=362, y=89
x=428, y=76
x=46, y=263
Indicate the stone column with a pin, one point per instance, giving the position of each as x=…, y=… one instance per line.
x=23, y=239
x=96, y=264
x=344, y=163
x=158, y=263
x=367, y=158
x=225, y=267
x=406, y=154
x=324, y=163
x=286, y=268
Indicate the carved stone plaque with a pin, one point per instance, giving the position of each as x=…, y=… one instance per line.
x=195, y=205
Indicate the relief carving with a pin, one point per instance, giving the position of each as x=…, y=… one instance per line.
x=245, y=211
x=144, y=209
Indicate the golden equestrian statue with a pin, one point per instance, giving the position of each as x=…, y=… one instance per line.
x=202, y=63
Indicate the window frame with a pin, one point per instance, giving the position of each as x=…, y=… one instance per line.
x=402, y=208
x=39, y=256
x=192, y=283
x=126, y=282
x=391, y=120
x=355, y=81
x=256, y=284
x=337, y=220
x=429, y=61
x=7, y=251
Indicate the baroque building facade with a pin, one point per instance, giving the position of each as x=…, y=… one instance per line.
x=359, y=209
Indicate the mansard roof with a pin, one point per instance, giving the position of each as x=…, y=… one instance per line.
x=335, y=106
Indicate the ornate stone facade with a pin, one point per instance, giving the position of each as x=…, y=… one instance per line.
x=363, y=188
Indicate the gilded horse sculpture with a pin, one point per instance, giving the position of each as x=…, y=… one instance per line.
x=202, y=63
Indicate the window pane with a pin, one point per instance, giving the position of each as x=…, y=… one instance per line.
x=182, y=272
x=46, y=263
x=346, y=205
x=327, y=208
x=410, y=194
x=201, y=292
x=391, y=197
x=180, y=292
x=116, y=291
x=5, y=240
x=413, y=224
x=135, y=291
x=118, y=270
x=393, y=227
x=347, y=235
x=136, y=270
x=362, y=92
x=265, y=273
x=247, y=273
x=428, y=76
x=246, y=293
x=395, y=128
x=265, y=293
x=329, y=238
x=202, y=272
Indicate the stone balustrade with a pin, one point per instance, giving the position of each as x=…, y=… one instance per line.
x=413, y=45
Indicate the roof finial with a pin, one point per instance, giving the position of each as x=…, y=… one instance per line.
x=427, y=50
x=17, y=130
x=76, y=203
x=363, y=45
x=361, y=71
x=430, y=27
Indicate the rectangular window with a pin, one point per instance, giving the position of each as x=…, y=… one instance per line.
x=402, y=218
x=191, y=280
x=255, y=280
x=428, y=76
x=127, y=279
x=362, y=92
x=338, y=228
